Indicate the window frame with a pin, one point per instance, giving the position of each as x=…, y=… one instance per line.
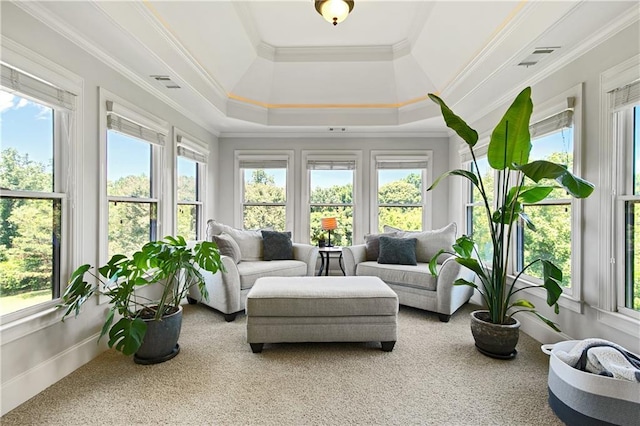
x=608, y=311
x=67, y=153
x=200, y=156
x=337, y=155
x=133, y=113
x=253, y=155
x=427, y=179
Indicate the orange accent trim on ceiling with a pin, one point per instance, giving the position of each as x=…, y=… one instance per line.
x=325, y=106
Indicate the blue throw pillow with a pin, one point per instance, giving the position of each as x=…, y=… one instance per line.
x=277, y=245
x=397, y=251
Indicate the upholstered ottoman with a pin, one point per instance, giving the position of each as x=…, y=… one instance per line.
x=321, y=309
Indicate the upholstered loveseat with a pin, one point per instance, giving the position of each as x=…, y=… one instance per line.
x=247, y=256
x=413, y=283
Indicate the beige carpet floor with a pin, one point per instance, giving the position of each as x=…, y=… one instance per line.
x=434, y=376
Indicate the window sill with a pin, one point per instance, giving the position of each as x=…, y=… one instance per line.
x=14, y=329
x=621, y=322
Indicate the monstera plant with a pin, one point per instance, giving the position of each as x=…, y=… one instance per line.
x=518, y=182
x=147, y=327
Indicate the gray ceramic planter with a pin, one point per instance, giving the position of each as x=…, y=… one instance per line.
x=494, y=340
x=161, y=340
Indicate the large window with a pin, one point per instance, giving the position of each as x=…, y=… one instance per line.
x=331, y=194
x=36, y=120
x=476, y=217
x=264, y=191
x=134, y=150
x=400, y=195
x=552, y=140
x=190, y=172
x=626, y=126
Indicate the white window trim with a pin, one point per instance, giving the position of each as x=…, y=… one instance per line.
x=240, y=155
x=427, y=180
x=134, y=113
x=337, y=155
x=608, y=309
x=182, y=138
x=27, y=321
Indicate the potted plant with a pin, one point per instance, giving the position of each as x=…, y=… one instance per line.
x=147, y=327
x=519, y=181
x=319, y=237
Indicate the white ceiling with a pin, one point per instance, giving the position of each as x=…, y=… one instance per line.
x=260, y=66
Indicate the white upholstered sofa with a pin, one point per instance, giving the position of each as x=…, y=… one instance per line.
x=243, y=256
x=414, y=284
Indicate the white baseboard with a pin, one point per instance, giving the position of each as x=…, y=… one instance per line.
x=33, y=381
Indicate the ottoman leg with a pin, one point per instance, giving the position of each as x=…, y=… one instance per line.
x=388, y=346
x=257, y=347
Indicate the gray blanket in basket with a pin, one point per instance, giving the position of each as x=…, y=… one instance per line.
x=602, y=357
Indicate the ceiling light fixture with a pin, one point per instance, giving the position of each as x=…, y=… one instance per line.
x=334, y=11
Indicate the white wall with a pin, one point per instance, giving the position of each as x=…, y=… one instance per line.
x=585, y=69
x=40, y=350
x=438, y=145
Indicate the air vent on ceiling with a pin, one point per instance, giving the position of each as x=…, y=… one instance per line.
x=337, y=129
x=538, y=54
x=166, y=81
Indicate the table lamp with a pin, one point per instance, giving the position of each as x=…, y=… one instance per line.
x=329, y=224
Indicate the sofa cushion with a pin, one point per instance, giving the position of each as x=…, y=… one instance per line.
x=250, y=271
x=429, y=242
x=228, y=246
x=397, y=251
x=277, y=245
x=417, y=276
x=250, y=242
x=372, y=244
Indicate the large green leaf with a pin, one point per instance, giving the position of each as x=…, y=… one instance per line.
x=474, y=265
x=457, y=172
x=547, y=321
x=575, y=186
x=127, y=334
x=433, y=262
x=533, y=194
x=542, y=169
x=511, y=141
x=464, y=246
x=552, y=276
x=455, y=123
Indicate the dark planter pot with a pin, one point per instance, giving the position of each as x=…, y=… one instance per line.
x=160, y=342
x=322, y=243
x=495, y=340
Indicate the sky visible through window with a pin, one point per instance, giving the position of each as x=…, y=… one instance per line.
x=26, y=126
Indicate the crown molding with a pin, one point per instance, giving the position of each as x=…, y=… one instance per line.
x=324, y=134
x=51, y=20
x=163, y=30
x=618, y=24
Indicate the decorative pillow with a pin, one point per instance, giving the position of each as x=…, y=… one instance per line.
x=228, y=247
x=277, y=245
x=429, y=242
x=250, y=242
x=397, y=251
x=372, y=244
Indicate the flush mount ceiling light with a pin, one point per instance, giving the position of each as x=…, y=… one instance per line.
x=334, y=11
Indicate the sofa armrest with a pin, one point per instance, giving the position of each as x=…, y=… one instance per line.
x=351, y=256
x=308, y=254
x=223, y=288
x=450, y=296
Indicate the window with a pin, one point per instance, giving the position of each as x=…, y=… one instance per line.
x=331, y=194
x=552, y=140
x=476, y=218
x=37, y=119
x=400, y=199
x=264, y=191
x=625, y=103
x=190, y=172
x=134, y=149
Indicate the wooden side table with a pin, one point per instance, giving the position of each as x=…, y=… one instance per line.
x=325, y=256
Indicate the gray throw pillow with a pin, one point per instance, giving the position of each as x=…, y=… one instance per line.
x=429, y=242
x=277, y=245
x=397, y=251
x=228, y=246
x=372, y=244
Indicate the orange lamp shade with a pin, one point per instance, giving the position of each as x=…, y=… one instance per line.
x=329, y=223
